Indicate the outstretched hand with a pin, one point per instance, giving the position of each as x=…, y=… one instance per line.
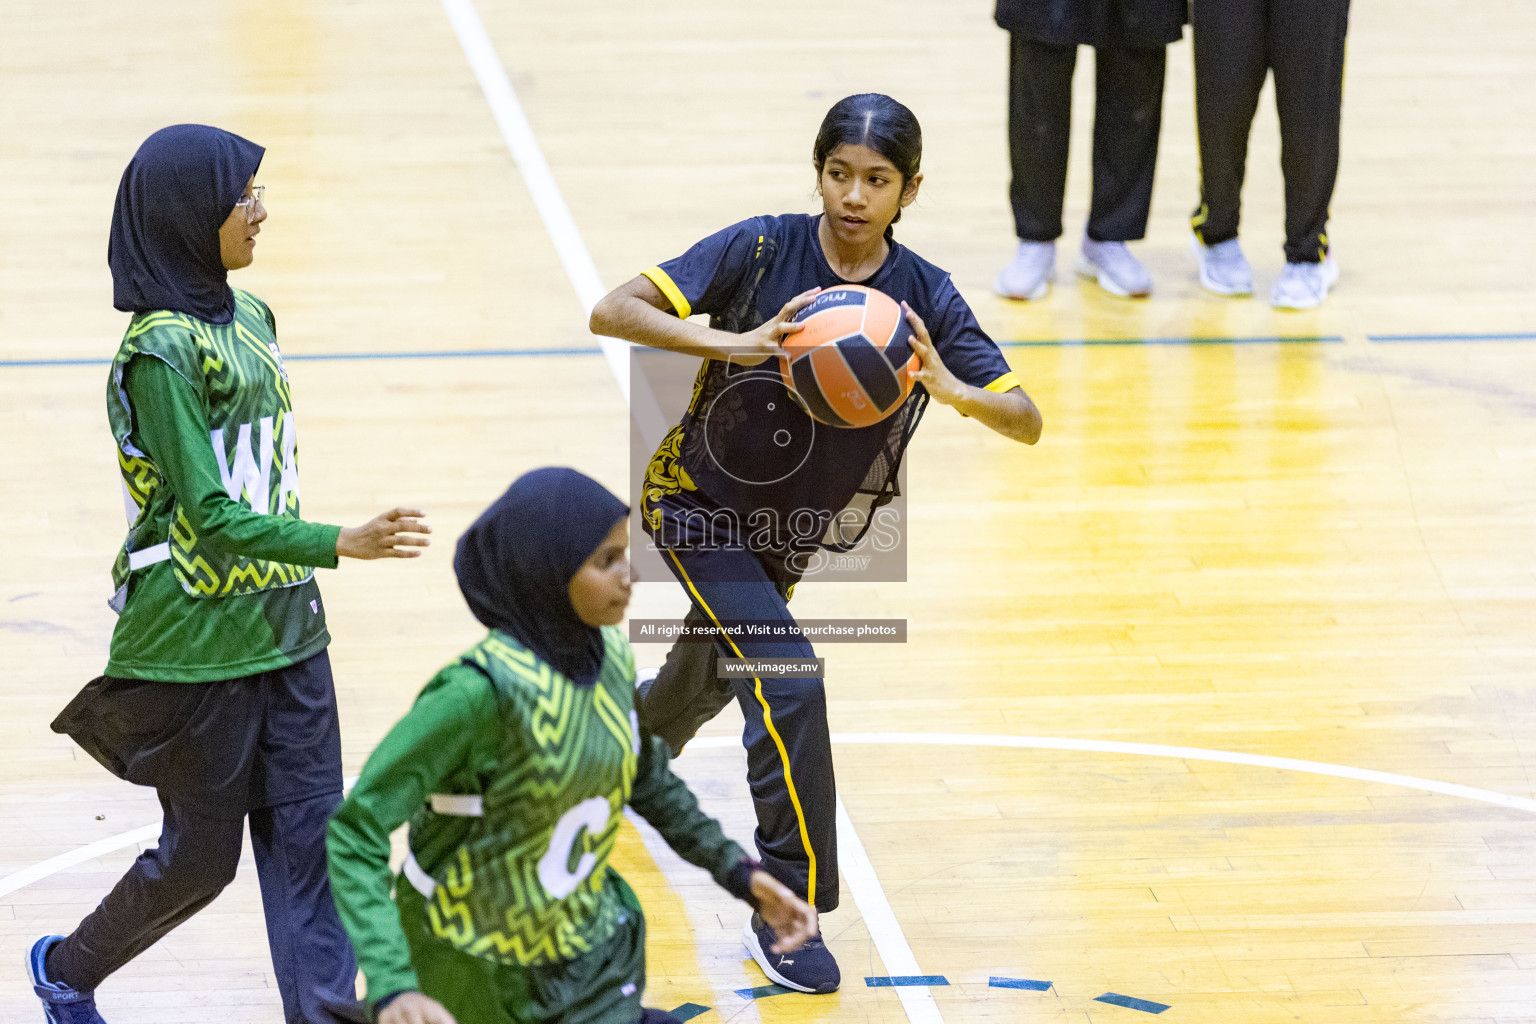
x=792, y=919
x=415, y=1008
x=766, y=341
x=398, y=533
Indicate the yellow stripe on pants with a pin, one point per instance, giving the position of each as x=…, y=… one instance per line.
x=789, y=779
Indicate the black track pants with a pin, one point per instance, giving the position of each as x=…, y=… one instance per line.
x=1127, y=117
x=1237, y=43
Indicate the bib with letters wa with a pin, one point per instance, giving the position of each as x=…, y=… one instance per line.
x=238, y=372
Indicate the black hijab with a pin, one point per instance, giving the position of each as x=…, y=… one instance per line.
x=516, y=561
x=178, y=189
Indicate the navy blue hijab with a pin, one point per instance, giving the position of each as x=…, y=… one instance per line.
x=178, y=189
x=516, y=561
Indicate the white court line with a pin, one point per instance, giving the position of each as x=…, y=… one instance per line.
x=1290, y=764
x=535, y=171
x=53, y=865
x=884, y=929
x=26, y=876
x=1340, y=771
x=100, y=848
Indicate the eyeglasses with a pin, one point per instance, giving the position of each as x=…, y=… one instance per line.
x=250, y=201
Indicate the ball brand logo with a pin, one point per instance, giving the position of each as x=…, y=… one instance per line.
x=846, y=295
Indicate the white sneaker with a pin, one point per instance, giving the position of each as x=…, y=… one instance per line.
x=1117, y=271
x=1304, y=285
x=1028, y=275
x=1223, y=267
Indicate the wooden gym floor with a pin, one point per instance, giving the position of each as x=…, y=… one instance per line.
x=1322, y=550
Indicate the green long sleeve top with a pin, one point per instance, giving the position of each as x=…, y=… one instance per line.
x=448, y=743
x=163, y=632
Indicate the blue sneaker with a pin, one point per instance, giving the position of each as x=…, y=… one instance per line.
x=61, y=1004
x=808, y=969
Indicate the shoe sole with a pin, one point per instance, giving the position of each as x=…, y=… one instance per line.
x=1328, y=283
x=1034, y=296
x=749, y=939
x=1198, y=250
x=1087, y=268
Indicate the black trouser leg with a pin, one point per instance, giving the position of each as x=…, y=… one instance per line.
x=786, y=733
x=685, y=693
x=1231, y=59
x=311, y=953
x=1127, y=118
x=1039, y=129
x=196, y=858
x=789, y=748
x=1307, y=52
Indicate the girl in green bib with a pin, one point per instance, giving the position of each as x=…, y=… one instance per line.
x=217, y=690
x=513, y=768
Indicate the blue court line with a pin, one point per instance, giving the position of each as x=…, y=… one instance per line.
x=688, y=1011
x=762, y=991
x=1309, y=339
x=504, y=353
x=1131, y=1002
x=468, y=353
x=315, y=357
x=906, y=980
x=1029, y=983
x=55, y=362
x=1522, y=336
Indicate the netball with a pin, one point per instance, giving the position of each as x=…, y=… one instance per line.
x=852, y=364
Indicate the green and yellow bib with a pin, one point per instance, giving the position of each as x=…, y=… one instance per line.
x=237, y=370
x=530, y=883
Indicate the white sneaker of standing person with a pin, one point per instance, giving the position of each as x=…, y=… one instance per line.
x=1304, y=285
x=1223, y=267
x=1114, y=268
x=1028, y=275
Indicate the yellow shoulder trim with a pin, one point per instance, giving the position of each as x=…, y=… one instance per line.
x=1007, y=382
x=670, y=289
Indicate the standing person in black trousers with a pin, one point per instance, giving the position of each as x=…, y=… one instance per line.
x=1237, y=43
x=1130, y=39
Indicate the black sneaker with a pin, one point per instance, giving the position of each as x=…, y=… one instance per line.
x=808, y=969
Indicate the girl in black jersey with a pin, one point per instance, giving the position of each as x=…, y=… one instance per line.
x=731, y=521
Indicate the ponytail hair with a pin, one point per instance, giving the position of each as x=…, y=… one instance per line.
x=876, y=121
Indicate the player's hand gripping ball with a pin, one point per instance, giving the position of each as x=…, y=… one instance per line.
x=852, y=363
